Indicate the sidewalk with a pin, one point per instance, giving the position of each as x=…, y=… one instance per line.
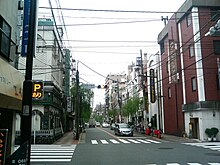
x=67, y=138
x=171, y=138
x=178, y=139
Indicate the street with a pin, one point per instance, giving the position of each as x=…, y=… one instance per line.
x=137, y=150
x=101, y=147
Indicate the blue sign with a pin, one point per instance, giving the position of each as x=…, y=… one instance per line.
x=25, y=28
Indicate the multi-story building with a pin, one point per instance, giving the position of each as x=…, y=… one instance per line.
x=11, y=80
x=134, y=88
x=51, y=65
x=190, y=69
x=115, y=93
x=153, y=87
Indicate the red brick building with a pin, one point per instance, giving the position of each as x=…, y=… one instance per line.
x=190, y=71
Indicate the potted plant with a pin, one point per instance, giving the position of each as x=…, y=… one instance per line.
x=208, y=131
x=214, y=131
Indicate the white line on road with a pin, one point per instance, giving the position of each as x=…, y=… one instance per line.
x=152, y=141
x=123, y=141
x=50, y=160
x=57, y=153
x=94, y=141
x=133, y=141
x=114, y=141
x=143, y=141
x=104, y=141
x=49, y=156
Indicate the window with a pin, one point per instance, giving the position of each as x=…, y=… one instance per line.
x=191, y=51
x=5, y=35
x=217, y=82
x=215, y=13
x=193, y=83
x=167, y=66
x=188, y=20
x=169, y=92
x=216, y=47
x=162, y=47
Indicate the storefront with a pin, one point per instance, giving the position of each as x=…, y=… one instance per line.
x=11, y=88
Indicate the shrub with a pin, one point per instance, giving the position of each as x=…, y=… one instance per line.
x=208, y=132
x=214, y=131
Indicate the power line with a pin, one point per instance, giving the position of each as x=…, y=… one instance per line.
x=117, y=11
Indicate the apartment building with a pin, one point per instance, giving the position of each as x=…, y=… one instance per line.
x=190, y=70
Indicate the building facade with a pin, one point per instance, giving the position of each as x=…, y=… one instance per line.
x=190, y=76
x=115, y=93
x=11, y=80
x=51, y=65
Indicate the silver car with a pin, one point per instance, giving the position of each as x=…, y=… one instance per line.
x=123, y=129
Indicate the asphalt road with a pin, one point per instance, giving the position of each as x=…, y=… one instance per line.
x=102, y=147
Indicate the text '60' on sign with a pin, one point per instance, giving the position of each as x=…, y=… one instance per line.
x=37, y=90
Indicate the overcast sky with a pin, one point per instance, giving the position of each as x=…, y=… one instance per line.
x=91, y=24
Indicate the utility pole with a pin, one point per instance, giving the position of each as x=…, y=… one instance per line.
x=26, y=116
x=145, y=110
x=77, y=105
x=119, y=101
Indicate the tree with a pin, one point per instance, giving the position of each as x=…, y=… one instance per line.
x=131, y=107
x=86, y=96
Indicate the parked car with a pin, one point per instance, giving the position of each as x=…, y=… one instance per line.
x=97, y=124
x=123, y=129
x=105, y=125
x=112, y=127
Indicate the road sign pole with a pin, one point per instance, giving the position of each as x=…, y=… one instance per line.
x=26, y=116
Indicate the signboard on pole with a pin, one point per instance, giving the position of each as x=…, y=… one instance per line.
x=38, y=90
x=3, y=144
x=25, y=28
x=152, y=86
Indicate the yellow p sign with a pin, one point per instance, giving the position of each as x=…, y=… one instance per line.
x=37, y=92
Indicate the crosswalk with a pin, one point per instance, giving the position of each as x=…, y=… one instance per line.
x=124, y=141
x=210, y=145
x=194, y=163
x=51, y=153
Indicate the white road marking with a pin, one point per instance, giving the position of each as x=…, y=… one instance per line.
x=143, y=141
x=104, y=141
x=94, y=141
x=134, y=141
x=153, y=141
x=50, y=160
x=124, y=141
x=114, y=141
